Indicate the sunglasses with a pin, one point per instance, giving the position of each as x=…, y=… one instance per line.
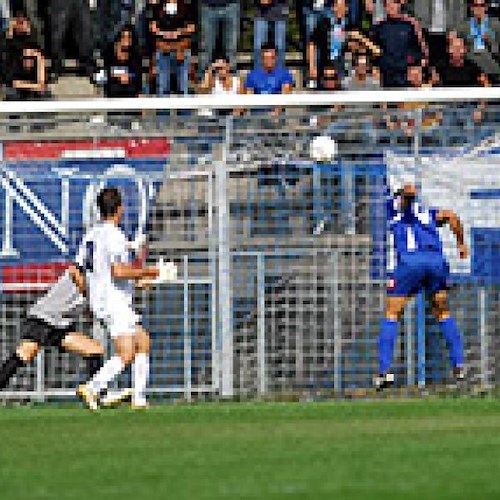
x=479, y=5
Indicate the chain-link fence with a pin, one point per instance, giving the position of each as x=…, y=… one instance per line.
x=282, y=260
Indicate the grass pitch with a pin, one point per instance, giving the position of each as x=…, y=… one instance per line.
x=443, y=449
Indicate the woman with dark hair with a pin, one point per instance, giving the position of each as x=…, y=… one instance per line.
x=123, y=65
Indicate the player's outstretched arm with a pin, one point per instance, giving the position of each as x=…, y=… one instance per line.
x=451, y=218
x=121, y=271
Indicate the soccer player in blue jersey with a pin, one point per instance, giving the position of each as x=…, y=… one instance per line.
x=421, y=266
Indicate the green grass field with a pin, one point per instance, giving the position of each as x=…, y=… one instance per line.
x=443, y=448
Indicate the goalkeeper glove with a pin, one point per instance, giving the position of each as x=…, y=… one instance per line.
x=167, y=271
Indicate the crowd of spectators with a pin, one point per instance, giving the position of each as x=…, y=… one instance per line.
x=160, y=47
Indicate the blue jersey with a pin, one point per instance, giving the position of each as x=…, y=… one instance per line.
x=414, y=229
x=421, y=264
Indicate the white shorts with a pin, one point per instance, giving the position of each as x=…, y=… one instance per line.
x=122, y=322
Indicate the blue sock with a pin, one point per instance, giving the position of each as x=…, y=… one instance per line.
x=454, y=340
x=386, y=342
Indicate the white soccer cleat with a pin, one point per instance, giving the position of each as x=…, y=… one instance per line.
x=139, y=405
x=88, y=396
x=114, y=398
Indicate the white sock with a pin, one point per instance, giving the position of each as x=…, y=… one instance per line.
x=107, y=373
x=140, y=376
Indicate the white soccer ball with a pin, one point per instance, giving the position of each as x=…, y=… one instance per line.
x=323, y=148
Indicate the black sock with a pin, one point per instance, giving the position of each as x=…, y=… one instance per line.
x=8, y=369
x=94, y=362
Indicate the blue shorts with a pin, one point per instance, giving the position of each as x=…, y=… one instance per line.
x=416, y=272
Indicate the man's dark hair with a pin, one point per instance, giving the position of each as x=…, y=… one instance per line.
x=268, y=46
x=108, y=201
x=220, y=56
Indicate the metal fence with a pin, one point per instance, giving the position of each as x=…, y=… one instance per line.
x=282, y=261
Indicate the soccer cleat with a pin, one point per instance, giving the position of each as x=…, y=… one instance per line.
x=88, y=396
x=113, y=398
x=383, y=381
x=142, y=405
x=459, y=373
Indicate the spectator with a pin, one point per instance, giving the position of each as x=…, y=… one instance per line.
x=482, y=35
x=173, y=29
x=212, y=13
x=270, y=13
x=311, y=12
x=440, y=16
x=218, y=79
x=74, y=15
x=363, y=78
x=330, y=78
x=456, y=70
x=17, y=37
x=123, y=65
x=108, y=14
x=27, y=79
x=330, y=38
x=147, y=41
x=34, y=15
x=400, y=40
x=271, y=78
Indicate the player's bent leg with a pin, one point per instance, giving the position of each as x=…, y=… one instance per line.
x=450, y=331
x=89, y=348
x=82, y=344
x=140, y=372
x=24, y=353
x=90, y=392
x=387, y=340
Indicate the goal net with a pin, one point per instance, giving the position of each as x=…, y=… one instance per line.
x=274, y=210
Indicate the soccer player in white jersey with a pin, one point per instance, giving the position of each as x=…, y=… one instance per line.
x=104, y=256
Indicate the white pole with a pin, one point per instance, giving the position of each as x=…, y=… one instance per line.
x=224, y=281
x=187, y=334
x=483, y=338
x=261, y=325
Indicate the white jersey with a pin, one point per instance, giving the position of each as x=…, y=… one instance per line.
x=104, y=245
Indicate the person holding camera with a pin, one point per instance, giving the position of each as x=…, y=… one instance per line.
x=218, y=79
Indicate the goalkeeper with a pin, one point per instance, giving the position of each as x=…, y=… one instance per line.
x=50, y=322
x=421, y=265
x=110, y=276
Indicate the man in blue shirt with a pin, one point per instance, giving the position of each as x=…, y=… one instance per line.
x=270, y=79
x=421, y=266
